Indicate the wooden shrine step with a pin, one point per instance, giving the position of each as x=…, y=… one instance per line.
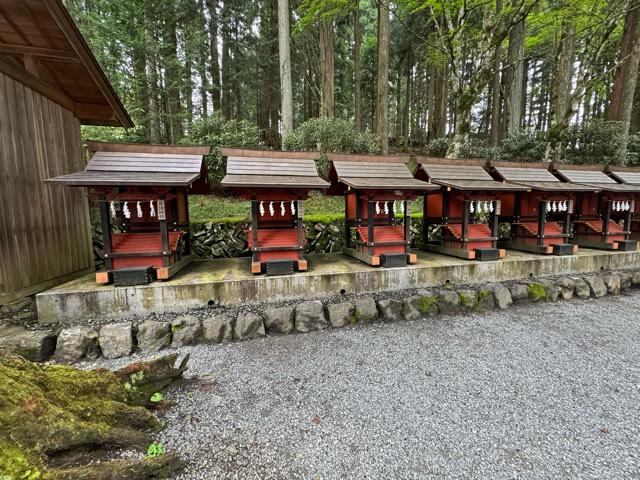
x=143, y=242
x=475, y=230
x=382, y=234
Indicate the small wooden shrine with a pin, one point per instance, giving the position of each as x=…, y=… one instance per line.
x=603, y=216
x=541, y=217
x=376, y=190
x=142, y=192
x=629, y=176
x=276, y=183
x=467, y=209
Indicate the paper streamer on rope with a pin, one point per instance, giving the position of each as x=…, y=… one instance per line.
x=262, y=209
x=283, y=209
x=393, y=205
x=139, y=210
x=112, y=207
x=125, y=210
x=491, y=206
x=386, y=208
x=293, y=207
x=152, y=209
x=272, y=210
x=377, y=208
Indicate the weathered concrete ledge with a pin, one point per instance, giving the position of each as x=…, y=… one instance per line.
x=228, y=282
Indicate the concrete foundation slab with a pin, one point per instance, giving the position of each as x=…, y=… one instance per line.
x=229, y=282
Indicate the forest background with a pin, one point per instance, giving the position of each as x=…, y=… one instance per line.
x=524, y=80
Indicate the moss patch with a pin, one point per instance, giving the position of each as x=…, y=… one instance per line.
x=485, y=300
x=536, y=292
x=428, y=305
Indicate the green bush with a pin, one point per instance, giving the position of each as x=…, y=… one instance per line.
x=438, y=147
x=523, y=146
x=596, y=141
x=218, y=132
x=330, y=135
x=477, y=148
x=633, y=150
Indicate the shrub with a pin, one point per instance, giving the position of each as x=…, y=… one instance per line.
x=330, y=135
x=523, y=146
x=477, y=148
x=596, y=141
x=438, y=147
x=218, y=132
x=633, y=150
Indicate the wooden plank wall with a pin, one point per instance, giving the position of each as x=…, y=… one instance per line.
x=45, y=232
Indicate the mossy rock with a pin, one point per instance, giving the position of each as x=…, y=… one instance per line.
x=486, y=300
x=536, y=292
x=428, y=305
x=49, y=409
x=468, y=299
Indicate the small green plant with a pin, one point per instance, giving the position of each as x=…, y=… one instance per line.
x=134, y=379
x=156, y=450
x=156, y=397
x=428, y=304
x=537, y=292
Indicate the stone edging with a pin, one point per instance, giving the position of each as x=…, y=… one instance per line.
x=121, y=339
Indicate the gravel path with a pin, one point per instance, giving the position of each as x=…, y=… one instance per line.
x=549, y=391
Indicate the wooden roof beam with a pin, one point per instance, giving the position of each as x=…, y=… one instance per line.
x=61, y=55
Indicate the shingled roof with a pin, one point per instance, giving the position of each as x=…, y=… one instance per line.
x=535, y=176
x=625, y=175
x=117, y=164
x=364, y=172
x=460, y=175
x=272, y=169
x=594, y=177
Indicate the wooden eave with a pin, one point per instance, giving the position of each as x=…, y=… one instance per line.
x=41, y=47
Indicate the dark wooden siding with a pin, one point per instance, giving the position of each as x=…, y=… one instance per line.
x=45, y=233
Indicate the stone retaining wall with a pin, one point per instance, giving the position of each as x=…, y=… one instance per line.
x=217, y=325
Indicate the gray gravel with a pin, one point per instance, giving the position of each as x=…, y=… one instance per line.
x=541, y=391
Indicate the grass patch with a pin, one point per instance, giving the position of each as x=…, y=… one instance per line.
x=317, y=208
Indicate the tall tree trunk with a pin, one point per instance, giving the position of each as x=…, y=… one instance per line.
x=326, y=69
x=624, y=85
x=214, y=68
x=560, y=113
x=357, y=40
x=173, y=78
x=154, y=103
x=635, y=115
x=438, y=80
x=226, y=102
x=496, y=109
x=285, y=66
x=407, y=103
x=515, y=60
x=141, y=87
x=203, y=49
x=382, y=97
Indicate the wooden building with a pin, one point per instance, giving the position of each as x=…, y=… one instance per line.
x=143, y=193
x=276, y=183
x=541, y=217
x=376, y=188
x=467, y=209
x=50, y=84
x=602, y=217
x=629, y=176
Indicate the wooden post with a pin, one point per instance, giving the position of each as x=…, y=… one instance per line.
x=542, y=214
x=370, y=224
x=407, y=226
x=517, y=213
x=605, y=220
x=494, y=221
x=254, y=222
x=465, y=222
x=187, y=242
x=105, y=221
x=566, y=228
x=627, y=219
x=347, y=227
x=425, y=222
x=300, y=228
x=164, y=232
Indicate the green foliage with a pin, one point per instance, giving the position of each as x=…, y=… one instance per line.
x=597, y=141
x=218, y=132
x=536, y=292
x=478, y=148
x=330, y=135
x=156, y=397
x=438, y=147
x=633, y=150
x=156, y=450
x=523, y=146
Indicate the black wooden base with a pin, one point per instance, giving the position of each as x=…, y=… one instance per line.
x=393, y=260
x=563, y=248
x=487, y=254
x=127, y=277
x=279, y=267
x=627, y=245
